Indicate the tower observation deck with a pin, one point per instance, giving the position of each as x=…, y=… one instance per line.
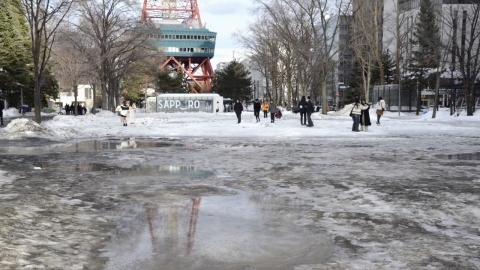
x=187, y=44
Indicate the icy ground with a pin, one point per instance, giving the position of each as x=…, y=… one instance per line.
x=199, y=191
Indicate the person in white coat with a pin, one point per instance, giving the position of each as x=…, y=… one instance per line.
x=380, y=108
x=355, y=113
x=132, y=109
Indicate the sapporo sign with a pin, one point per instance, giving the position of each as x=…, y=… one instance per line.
x=175, y=105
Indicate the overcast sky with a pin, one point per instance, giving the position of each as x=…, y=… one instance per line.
x=225, y=17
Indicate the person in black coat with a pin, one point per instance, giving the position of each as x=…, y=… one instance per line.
x=365, y=116
x=256, y=109
x=310, y=110
x=302, y=105
x=67, y=109
x=2, y=106
x=238, y=108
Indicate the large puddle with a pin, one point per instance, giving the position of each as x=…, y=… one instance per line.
x=245, y=231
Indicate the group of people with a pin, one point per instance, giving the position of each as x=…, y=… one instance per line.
x=306, y=109
x=124, y=109
x=70, y=109
x=360, y=114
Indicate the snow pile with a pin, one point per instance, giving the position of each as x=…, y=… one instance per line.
x=27, y=126
x=12, y=112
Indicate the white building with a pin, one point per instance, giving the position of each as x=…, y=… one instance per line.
x=85, y=97
x=222, y=65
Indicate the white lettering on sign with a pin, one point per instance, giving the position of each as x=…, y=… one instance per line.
x=177, y=104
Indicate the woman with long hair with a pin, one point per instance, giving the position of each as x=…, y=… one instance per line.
x=380, y=108
x=356, y=112
x=365, y=116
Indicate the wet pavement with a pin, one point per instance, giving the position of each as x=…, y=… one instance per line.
x=218, y=203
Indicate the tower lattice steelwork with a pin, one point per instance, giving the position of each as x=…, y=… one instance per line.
x=187, y=43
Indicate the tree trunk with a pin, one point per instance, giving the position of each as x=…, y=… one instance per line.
x=437, y=87
x=324, y=96
x=37, y=99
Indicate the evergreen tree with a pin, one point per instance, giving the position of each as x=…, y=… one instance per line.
x=355, y=87
x=14, y=52
x=388, y=70
x=426, y=37
x=172, y=83
x=234, y=82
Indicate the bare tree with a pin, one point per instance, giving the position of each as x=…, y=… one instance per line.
x=367, y=28
x=118, y=37
x=318, y=24
x=44, y=17
x=70, y=57
x=465, y=24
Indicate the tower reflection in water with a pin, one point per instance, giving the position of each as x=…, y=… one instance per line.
x=177, y=224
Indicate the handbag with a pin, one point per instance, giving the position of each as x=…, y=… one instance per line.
x=351, y=114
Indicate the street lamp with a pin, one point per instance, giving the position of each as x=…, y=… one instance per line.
x=452, y=105
x=21, y=96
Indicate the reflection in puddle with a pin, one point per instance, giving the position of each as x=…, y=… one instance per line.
x=95, y=145
x=190, y=171
x=217, y=233
x=468, y=156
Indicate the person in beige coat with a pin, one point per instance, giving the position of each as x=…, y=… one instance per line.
x=380, y=108
x=132, y=109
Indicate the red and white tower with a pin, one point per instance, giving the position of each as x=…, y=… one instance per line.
x=185, y=41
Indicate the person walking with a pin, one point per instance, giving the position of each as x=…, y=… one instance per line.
x=309, y=111
x=356, y=112
x=365, y=116
x=302, y=105
x=2, y=106
x=123, y=113
x=132, y=109
x=273, y=110
x=265, y=108
x=238, y=108
x=380, y=108
x=256, y=109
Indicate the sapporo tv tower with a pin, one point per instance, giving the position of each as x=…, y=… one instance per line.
x=186, y=42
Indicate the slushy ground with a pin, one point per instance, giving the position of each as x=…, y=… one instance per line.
x=199, y=191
